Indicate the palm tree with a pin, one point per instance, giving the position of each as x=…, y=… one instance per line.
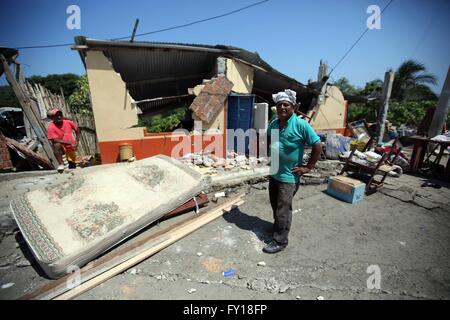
x=411, y=82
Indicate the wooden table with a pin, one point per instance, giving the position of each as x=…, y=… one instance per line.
x=420, y=151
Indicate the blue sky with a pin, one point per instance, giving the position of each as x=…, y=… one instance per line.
x=291, y=35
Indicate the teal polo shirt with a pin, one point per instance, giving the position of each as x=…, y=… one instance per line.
x=287, y=150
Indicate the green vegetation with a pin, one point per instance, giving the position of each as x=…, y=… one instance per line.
x=75, y=88
x=53, y=82
x=411, y=82
x=79, y=100
x=410, y=113
x=410, y=98
x=8, y=98
x=163, y=123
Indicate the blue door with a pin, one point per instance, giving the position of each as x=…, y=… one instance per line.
x=239, y=116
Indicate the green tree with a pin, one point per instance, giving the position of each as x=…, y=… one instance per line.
x=53, y=82
x=8, y=98
x=409, y=113
x=367, y=111
x=344, y=85
x=79, y=101
x=373, y=87
x=411, y=82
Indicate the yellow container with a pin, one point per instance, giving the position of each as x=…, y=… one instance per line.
x=358, y=145
x=126, y=151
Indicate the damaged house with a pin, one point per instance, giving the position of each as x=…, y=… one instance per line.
x=142, y=91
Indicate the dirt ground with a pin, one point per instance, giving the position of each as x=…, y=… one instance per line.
x=403, y=230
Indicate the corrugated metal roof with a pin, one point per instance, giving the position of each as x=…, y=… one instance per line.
x=159, y=73
x=153, y=107
x=147, y=65
x=155, y=69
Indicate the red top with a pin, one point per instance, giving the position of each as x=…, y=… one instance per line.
x=63, y=132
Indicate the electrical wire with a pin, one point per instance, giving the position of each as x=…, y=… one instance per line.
x=357, y=40
x=155, y=31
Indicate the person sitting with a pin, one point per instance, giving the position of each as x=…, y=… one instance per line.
x=59, y=132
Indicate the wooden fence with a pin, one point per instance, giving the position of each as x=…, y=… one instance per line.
x=46, y=100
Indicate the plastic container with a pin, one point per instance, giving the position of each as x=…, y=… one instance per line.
x=229, y=272
x=126, y=151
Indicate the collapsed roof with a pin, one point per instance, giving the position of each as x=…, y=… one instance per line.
x=155, y=69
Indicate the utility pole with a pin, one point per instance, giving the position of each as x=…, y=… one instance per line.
x=384, y=103
x=136, y=22
x=442, y=109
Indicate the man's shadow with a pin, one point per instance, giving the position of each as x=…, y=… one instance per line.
x=261, y=228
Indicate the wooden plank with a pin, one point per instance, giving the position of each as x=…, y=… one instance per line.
x=117, y=256
x=27, y=108
x=29, y=154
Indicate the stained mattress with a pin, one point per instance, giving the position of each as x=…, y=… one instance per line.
x=70, y=224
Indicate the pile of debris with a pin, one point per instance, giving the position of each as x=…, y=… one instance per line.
x=17, y=155
x=233, y=161
x=323, y=170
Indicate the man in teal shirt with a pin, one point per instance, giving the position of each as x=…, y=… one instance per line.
x=287, y=135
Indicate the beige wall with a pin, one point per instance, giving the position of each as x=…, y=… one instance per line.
x=216, y=124
x=111, y=102
x=241, y=75
x=331, y=114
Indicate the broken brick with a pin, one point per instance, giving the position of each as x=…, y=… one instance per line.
x=211, y=98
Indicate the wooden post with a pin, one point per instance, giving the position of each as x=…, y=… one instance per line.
x=382, y=113
x=27, y=107
x=442, y=109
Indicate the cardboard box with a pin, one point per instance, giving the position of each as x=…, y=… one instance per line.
x=346, y=189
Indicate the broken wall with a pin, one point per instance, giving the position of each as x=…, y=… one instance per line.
x=113, y=112
x=332, y=114
x=241, y=75
x=115, y=115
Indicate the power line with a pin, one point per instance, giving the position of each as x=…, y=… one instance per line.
x=155, y=31
x=196, y=22
x=357, y=40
